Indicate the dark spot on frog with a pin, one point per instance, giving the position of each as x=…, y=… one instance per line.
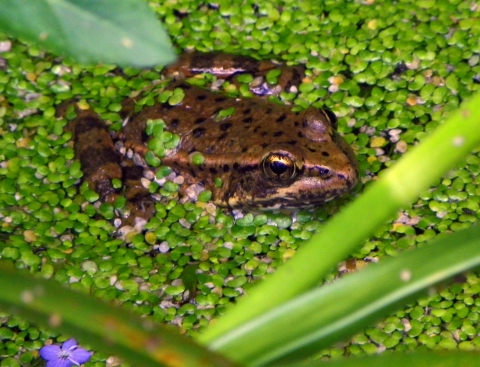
x=300, y=134
x=247, y=111
x=247, y=120
x=297, y=123
x=174, y=123
x=201, y=97
x=225, y=126
x=276, y=134
x=199, y=132
x=256, y=129
x=213, y=170
x=264, y=133
x=220, y=99
x=226, y=168
x=223, y=136
x=325, y=154
x=268, y=111
x=281, y=118
x=291, y=142
x=236, y=166
x=199, y=120
x=311, y=149
x=264, y=145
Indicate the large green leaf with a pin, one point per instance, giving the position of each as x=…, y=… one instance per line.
x=123, y=32
x=333, y=312
x=104, y=327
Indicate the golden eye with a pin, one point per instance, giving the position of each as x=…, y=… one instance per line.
x=279, y=167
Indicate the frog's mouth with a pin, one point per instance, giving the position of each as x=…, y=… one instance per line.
x=301, y=194
x=292, y=202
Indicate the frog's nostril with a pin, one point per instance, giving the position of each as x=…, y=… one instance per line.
x=324, y=172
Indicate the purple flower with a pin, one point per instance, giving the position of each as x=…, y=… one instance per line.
x=66, y=356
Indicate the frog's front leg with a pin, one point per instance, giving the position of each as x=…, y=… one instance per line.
x=101, y=163
x=95, y=150
x=227, y=66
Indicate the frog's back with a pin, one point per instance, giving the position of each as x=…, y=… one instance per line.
x=251, y=121
x=238, y=144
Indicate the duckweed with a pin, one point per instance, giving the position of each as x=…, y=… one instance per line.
x=176, y=97
x=375, y=70
x=197, y=158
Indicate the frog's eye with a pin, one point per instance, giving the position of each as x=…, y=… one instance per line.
x=331, y=117
x=279, y=167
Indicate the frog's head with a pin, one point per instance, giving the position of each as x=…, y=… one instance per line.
x=313, y=165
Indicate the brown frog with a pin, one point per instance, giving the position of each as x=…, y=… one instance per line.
x=266, y=155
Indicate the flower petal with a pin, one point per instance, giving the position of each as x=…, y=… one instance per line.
x=67, y=344
x=80, y=356
x=49, y=352
x=59, y=362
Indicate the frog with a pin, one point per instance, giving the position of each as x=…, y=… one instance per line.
x=266, y=155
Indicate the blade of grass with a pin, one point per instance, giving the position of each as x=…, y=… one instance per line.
x=397, y=187
x=417, y=359
x=137, y=340
x=329, y=314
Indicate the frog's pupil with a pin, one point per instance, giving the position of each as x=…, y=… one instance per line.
x=278, y=167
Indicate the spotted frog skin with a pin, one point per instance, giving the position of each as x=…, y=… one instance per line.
x=266, y=155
